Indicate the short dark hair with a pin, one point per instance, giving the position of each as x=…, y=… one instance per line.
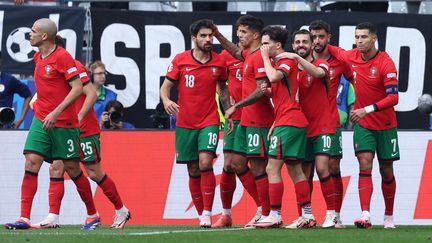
x=302, y=32
x=251, y=22
x=276, y=33
x=319, y=25
x=196, y=26
x=59, y=41
x=116, y=105
x=367, y=26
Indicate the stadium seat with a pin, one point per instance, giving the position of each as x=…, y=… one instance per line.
x=425, y=7
x=244, y=7
x=397, y=7
x=283, y=6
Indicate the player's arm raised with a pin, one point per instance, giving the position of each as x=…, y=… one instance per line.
x=74, y=93
x=272, y=74
x=232, y=48
x=165, y=93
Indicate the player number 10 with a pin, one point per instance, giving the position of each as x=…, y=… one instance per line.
x=190, y=81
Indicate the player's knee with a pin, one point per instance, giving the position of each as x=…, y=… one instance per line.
x=193, y=169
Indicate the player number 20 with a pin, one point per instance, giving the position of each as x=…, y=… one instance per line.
x=87, y=148
x=190, y=81
x=253, y=140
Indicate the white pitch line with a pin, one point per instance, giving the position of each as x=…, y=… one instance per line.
x=185, y=231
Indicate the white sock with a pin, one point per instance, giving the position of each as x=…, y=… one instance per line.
x=121, y=210
x=275, y=213
x=226, y=211
x=53, y=217
x=307, y=212
x=366, y=214
x=92, y=216
x=259, y=209
x=206, y=213
x=331, y=212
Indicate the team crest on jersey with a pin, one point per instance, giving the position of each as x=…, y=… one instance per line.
x=332, y=72
x=309, y=80
x=48, y=70
x=214, y=71
x=373, y=72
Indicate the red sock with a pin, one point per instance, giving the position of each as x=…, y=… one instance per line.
x=327, y=188
x=337, y=181
x=84, y=190
x=388, y=186
x=208, y=185
x=196, y=194
x=303, y=195
x=55, y=194
x=276, y=194
x=110, y=190
x=310, y=182
x=227, y=188
x=28, y=191
x=249, y=184
x=262, y=184
x=365, y=188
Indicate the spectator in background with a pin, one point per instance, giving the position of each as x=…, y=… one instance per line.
x=105, y=95
x=112, y=117
x=9, y=86
x=345, y=99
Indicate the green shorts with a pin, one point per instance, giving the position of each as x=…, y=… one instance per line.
x=336, y=144
x=90, y=147
x=229, y=139
x=251, y=141
x=56, y=144
x=318, y=145
x=384, y=142
x=190, y=142
x=288, y=143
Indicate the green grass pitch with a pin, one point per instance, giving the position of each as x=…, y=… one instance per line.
x=188, y=234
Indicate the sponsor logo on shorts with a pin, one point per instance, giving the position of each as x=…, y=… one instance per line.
x=69, y=155
x=394, y=154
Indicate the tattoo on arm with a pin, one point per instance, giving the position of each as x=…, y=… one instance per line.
x=224, y=96
x=254, y=97
x=232, y=48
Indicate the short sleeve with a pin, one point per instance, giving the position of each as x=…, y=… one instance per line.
x=389, y=72
x=259, y=70
x=285, y=66
x=173, y=71
x=66, y=65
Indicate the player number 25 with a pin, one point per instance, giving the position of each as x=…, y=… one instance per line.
x=87, y=148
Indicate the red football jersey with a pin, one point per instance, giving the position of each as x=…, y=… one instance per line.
x=370, y=81
x=261, y=113
x=314, y=101
x=52, y=75
x=285, y=96
x=337, y=68
x=196, y=89
x=235, y=69
x=89, y=124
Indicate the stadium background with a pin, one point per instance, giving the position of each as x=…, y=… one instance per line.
x=138, y=46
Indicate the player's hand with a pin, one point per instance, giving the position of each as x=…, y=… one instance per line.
x=270, y=133
x=50, y=120
x=230, y=112
x=230, y=124
x=171, y=108
x=358, y=114
x=288, y=55
x=80, y=117
x=232, y=101
x=215, y=30
x=265, y=89
x=265, y=51
x=17, y=123
x=105, y=116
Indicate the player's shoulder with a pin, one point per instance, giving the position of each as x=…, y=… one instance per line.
x=321, y=63
x=384, y=56
x=182, y=56
x=286, y=62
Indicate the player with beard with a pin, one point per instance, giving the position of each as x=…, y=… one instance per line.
x=257, y=114
x=197, y=72
x=375, y=128
x=314, y=85
x=320, y=31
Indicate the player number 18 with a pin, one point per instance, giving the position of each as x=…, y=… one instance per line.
x=190, y=81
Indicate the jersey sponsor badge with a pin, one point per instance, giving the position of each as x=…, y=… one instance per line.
x=83, y=74
x=71, y=70
x=261, y=70
x=391, y=75
x=284, y=66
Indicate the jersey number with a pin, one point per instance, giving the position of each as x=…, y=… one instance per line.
x=71, y=145
x=253, y=140
x=212, y=138
x=273, y=142
x=190, y=81
x=326, y=142
x=87, y=148
x=238, y=74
